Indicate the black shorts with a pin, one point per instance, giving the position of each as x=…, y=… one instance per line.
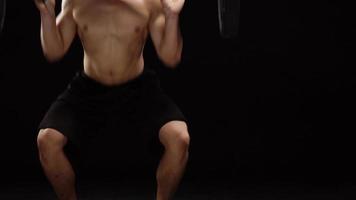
x=88, y=110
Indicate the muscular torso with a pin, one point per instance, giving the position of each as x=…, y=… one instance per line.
x=113, y=35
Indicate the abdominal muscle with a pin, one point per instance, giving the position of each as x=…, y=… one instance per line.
x=113, y=59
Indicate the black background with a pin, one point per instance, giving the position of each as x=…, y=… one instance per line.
x=275, y=103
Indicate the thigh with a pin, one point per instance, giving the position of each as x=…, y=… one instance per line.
x=156, y=111
x=61, y=117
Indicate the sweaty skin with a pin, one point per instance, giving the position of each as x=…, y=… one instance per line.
x=113, y=34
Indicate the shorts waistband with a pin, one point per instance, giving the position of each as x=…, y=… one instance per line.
x=86, y=83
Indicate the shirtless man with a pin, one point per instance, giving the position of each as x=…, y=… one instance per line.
x=113, y=35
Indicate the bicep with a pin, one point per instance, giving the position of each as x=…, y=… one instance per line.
x=156, y=30
x=66, y=26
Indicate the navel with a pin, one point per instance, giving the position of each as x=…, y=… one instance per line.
x=137, y=29
x=85, y=28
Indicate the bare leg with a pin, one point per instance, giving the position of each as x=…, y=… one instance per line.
x=175, y=138
x=55, y=164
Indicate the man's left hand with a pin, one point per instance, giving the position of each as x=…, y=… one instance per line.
x=172, y=7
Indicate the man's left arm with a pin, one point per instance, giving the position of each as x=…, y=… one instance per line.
x=165, y=31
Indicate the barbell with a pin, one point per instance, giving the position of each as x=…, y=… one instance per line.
x=2, y=14
x=228, y=14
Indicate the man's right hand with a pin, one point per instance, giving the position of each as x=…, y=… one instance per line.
x=46, y=6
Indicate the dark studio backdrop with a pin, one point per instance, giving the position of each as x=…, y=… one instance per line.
x=276, y=103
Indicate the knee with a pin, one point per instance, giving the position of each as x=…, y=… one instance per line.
x=50, y=139
x=183, y=139
x=175, y=138
x=180, y=146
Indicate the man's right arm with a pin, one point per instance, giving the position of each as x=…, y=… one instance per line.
x=57, y=33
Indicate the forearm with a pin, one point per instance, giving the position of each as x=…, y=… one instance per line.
x=172, y=41
x=52, y=44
